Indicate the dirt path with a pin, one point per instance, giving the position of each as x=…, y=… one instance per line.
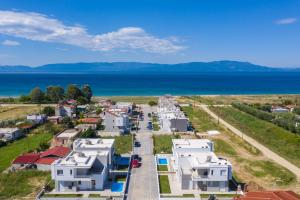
x=267, y=152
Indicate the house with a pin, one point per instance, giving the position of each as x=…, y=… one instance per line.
x=171, y=118
x=86, y=168
x=41, y=161
x=116, y=121
x=82, y=108
x=10, y=134
x=65, y=110
x=55, y=119
x=85, y=127
x=278, y=109
x=105, y=103
x=25, y=161
x=49, y=156
x=198, y=168
x=125, y=106
x=269, y=195
x=37, y=118
x=66, y=137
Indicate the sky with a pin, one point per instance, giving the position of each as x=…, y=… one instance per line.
x=265, y=32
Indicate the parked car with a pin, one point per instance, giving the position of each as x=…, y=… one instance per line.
x=137, y=144
x=135, y=163
x=136, y=157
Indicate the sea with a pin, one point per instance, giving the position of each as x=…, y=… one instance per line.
x=116, y=84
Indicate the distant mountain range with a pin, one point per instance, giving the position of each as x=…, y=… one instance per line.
x=136, y=67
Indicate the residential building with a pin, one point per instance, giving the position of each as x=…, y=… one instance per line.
x=90, y=120
x=198, y=168
x=85, y=127
x=25, y=161
x=85, y=168
x=65, y=110
x=116, y=121
x=66, y=137
x=37, y=118
x=171, y=118
x=55, y=119
x=125, y=106
x=10, y=134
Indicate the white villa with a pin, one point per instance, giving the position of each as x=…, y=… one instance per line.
x=10, y=134
x=170, y=116
x=86, y=168
x=198, y=168
x=115, y=120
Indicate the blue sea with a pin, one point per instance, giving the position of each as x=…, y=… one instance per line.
x=158, y=84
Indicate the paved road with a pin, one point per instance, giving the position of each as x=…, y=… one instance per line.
x=267, y=152
x=143, y=182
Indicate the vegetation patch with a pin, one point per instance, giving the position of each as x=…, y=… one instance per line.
x=22, y=183
x=162, y=168
x=123, y=144
x=63, y=195
x=163, y=143
x=223, y=147
x=277, y=139
x=164, y=185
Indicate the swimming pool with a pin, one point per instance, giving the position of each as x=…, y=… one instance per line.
x=123, y=160
x=117, y=186
x=162, y=161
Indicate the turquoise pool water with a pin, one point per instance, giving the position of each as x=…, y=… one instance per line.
x=117, y=187
x=162, y=161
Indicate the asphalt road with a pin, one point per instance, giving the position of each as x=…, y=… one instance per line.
x=143, y=182
x=267, y=152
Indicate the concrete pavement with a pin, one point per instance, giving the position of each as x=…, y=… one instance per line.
x=267, y=152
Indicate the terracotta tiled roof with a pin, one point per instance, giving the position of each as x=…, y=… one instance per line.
x=91, y=120
x=28, y=158
x=270, y=195
x=56, y=151
x=45, y=161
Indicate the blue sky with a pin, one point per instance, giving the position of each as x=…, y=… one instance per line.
x=265, y=32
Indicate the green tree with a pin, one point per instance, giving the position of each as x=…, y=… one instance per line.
x=73, y=92
x=24, y=99
x=49, y=111
x=152, y=103
x=67, y=122
x=43, y=146
x=55, y=93
x=36, y=95
x=87, y=92
x=88, y=134
x=82, y=100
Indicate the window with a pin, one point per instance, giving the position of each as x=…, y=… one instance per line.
x=211, y=172
x=79, y=182
x=60, y=172
x=223, y=173
x=71, y=172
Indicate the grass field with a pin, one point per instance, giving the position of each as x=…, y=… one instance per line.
x=164, y=184
x=162, y=168
x=163, y=143
x=134, y=99
x=9, y=152
x=22, y=184
x=123, y=144
x=200, y=120
x=277, y=139
x=16, y=112
x=243, y=156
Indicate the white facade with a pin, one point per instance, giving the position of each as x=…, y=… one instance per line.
x=38, y=119
x=115, y=120
x=198, y=168
x=85, y=168
x=10, y=134
x=171, y=118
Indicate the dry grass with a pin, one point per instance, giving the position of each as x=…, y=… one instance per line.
x=14, y=112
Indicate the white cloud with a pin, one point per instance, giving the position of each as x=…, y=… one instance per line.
x=38, y=27
x=10, y=43
x=286, y=21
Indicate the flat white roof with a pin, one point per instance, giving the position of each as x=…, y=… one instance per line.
x=69, y=133
x=191, y=143
x=89, y=143
x=77, y=159
x=8, y=130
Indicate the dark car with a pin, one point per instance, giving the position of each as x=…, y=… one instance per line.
x=136, y=157
x=137, y=144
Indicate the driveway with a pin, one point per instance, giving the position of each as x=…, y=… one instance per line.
x=267, y=152
x=143, y=183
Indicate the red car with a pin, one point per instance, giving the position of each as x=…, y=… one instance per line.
x=135, y=163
